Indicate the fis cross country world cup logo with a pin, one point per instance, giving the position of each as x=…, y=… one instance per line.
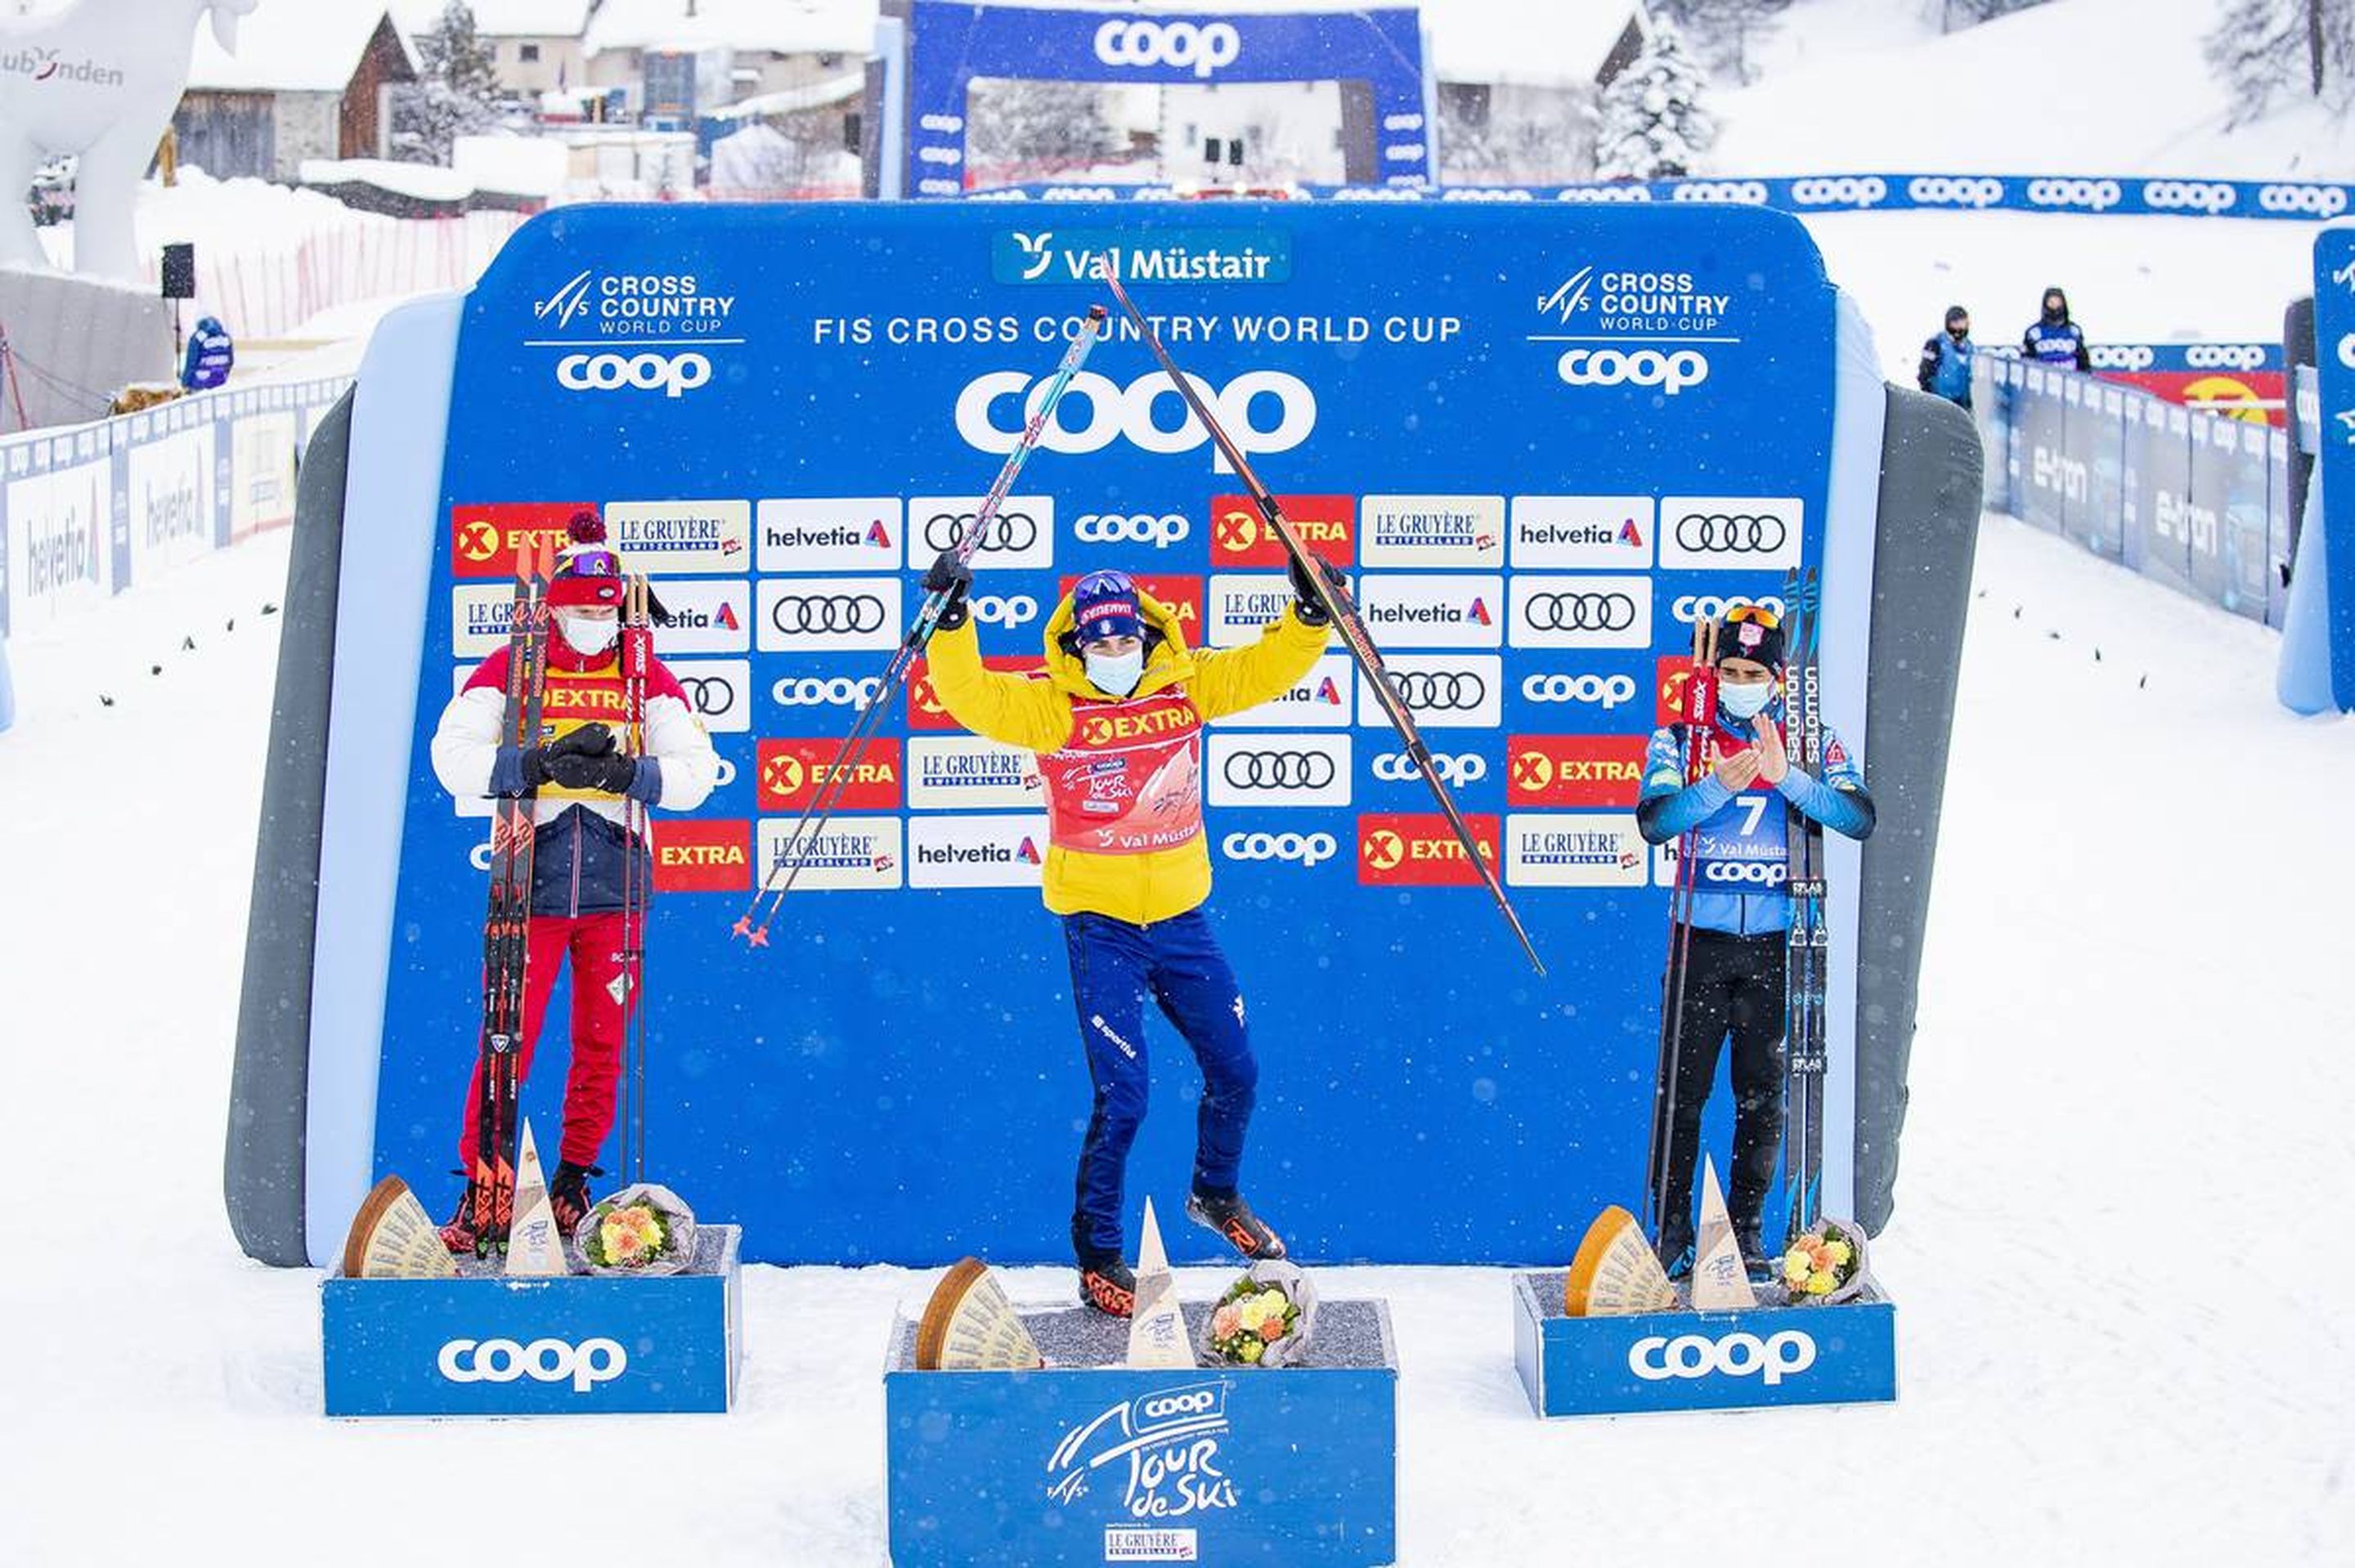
x=1161, y=1451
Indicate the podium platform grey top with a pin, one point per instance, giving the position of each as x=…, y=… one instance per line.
x=1351, y=1335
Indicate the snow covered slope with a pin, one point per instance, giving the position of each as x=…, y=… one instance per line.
x=2116, y=1250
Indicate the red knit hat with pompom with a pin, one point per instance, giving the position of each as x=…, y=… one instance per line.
x=586, y=572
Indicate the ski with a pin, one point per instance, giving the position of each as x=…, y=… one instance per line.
x=1698, y=705
x=1333, y=597
x=799, y=843
x=1806, y=1051
x=637, y=659
x=506, y=925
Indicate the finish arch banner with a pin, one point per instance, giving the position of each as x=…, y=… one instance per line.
x=1543, y=441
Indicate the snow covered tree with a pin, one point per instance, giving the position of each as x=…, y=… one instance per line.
x=1725, y=32
x=1954, y=15
x=1653, y=124
x=455, y=94
x=2262, y=48
x=1019, y=129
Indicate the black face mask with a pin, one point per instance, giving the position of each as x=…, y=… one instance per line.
x=1958, y=330
x=2056, y=310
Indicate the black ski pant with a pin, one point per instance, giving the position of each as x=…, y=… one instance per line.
x=1733, y=986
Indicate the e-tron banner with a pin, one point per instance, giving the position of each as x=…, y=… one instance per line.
x=953, y=41
x=1539, y=469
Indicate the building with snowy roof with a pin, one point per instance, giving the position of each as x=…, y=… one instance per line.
x=308, y=80
x=536, y=45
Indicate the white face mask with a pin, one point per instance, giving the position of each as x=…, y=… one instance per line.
x=588, y=634
x=1117, y=676
x=1745, y=701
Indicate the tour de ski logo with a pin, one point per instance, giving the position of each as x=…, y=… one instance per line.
x=1161, y=1449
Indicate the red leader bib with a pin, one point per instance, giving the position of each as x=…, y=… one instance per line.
x=1129, y=780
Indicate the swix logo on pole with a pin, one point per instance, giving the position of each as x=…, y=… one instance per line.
x=1261, y=411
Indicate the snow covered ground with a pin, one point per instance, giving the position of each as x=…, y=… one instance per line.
x=2117, y=1250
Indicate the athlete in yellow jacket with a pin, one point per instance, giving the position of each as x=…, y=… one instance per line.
x=1116, y=717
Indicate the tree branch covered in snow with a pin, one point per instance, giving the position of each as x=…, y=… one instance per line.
x=2262, y=49
x=1653, y=124
x=455, y=94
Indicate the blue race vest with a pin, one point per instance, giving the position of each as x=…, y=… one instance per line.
x=2055, y=345
x=1745, y=847
x=1951, y=379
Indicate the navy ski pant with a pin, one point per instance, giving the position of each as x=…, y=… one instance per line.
x=1177, y=962
x=1733, y=988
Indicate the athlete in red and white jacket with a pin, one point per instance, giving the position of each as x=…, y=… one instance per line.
x=586, y=862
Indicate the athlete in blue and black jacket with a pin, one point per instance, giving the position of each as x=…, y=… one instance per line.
x=1739, y=813
x=2054, y=339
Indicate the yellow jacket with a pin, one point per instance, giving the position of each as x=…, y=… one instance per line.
x=1042, y=715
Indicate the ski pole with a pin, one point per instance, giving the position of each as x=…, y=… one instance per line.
x=637, y=653
x=1334, y=600
x=1700, y=711
x=799, y=843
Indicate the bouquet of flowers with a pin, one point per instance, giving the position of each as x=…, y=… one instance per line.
x=643, y=1229
x=1825, y=1264
x=1264, y=1318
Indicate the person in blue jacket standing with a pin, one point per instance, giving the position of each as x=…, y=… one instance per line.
x=211, y=355
x=1734, y=984
x=2053, y=339
x=1945, y=366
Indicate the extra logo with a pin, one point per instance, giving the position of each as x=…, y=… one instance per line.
x=1657, y=1358
x=719, y=690
x=1551, y=770
x=694, y=855
x=484, y=539
x=1200, y=48
x=1294, y=849
x=1942, y=190
x=1271, y=770
x=1747, y=532
x=1455, y=770
x=1163, y=1449
x=1419, y=848
x=1021, y=534
x=672, y=375
x=1574, y=850
x=1581, y=612
x=793, y=773
x=1431, y=611
x=924, y=709
x=1148, y=414
x=1239, y=536
x=584, y=1365
x=828, y=614
x=1441, y=691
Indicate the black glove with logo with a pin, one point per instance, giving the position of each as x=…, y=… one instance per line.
x=952, y=577
x=567, y=751
x=1304, y=591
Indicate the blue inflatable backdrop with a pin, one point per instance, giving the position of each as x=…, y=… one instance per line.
x=1543, y=439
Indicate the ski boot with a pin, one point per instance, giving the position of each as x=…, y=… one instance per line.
x=1109, y=1286
x=1676, y=1255
x=567, y=1195
x=464, y=1234
x=1232, y=1218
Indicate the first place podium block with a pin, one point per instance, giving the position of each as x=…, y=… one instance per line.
x=484, y=1344
x=1756, y=1359
x=1087, y=1462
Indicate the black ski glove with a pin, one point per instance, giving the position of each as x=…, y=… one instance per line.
x=950, y=576
x=612, y=773
x=1303, y=592
x=541, y=763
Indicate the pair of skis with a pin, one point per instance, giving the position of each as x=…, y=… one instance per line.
x=1807, y=945
x=1697, y=713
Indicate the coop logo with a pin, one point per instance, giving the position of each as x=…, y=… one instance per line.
x=1159, y=531
x=1752, y=872
x=2226, y=356
x=1606, y=692
x=634, y=304
x=1294, y=849
x=36, y=64
x=584, y=1365
x=1239, y=536
x=2189, y=195
x=2312, y=201
x=1672, y=371
x=1730, y=193
x=1165, y=1445
x=673, y=374
x=1656, y=1358
x=696, y=855
x=1279, y=769
x=1574, y=770
x=2092, y=196
x=2122, y=356
x=1453, y=769
x=1242, y=407
x=1942, y=190
x=812, y=690
x=1870, y=190
x=1199, y=48
x=1692, y=606
x=1421, y=849
x=1199, y=256
x=1008, y=610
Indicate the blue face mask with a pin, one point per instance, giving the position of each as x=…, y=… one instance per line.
x=1743, y=702
x=1117, y=676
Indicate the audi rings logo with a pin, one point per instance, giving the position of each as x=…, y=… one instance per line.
x=2317, y=201
x=1871, y=190
x=811, y=691
x=802, y=615
x=1731, y=533
x=2189, y=195
x=1138, y=528
x=1005, y=609
x=1607, y=691
x=674, y=375
x=1736, y=193
x=1579, y=612
x=1278, y=770
x=1671, y=371
x=1301, y=848
x=712, y=696
x=1940, y=190
x=1689, y=608
x=1657, y=1358
x=1008, y=531
x=584, y=1365
x=2225, y=356
x=1762, y=873
x=1439, y=690
x=2120, y=356
x=2093, y=195
x=1135, y=413
x=1188, y=46
x=1467, y=768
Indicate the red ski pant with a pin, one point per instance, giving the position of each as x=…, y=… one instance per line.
x=600, y=1021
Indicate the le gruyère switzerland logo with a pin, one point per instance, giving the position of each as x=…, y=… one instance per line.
x=1164, y=1450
